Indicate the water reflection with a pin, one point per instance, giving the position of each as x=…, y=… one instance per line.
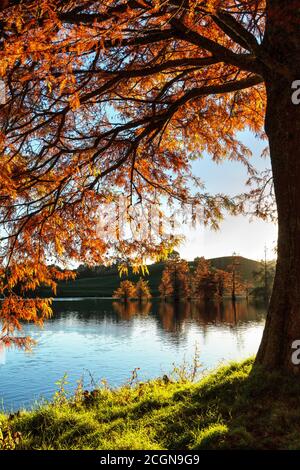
x=170, y=316
x=173, y=315
x=127, y=310
x=110, y=339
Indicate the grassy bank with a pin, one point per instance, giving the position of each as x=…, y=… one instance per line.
x=234, y=407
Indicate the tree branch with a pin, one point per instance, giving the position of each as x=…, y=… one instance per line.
x=235, y=30
x=246, y=62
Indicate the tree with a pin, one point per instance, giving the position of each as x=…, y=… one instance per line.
x=235, y=283
x=126, y=291
x=248, y=287
x=174, y=255
x=175, y=282
x=123, y=94
x=142, y=290
x=208, y=286
x=264, y=278
x=223, y=281
x=204, y=280
x=209, y=283
x=165, y=287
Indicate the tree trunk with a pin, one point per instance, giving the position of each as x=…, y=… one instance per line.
x=283, y=130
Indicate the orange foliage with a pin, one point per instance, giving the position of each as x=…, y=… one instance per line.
x=126, y=291
x=142, y=290
x=108, y=98
x=175, y=281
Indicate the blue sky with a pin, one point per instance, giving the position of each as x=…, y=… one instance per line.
x=237, y=234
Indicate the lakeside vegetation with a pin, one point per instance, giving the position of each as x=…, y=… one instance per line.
x=234, y=407
x=179, y=281
x=128, y=290
x=199, y=280
x=103, y=281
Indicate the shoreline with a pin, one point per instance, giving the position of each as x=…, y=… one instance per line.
x=237, y=406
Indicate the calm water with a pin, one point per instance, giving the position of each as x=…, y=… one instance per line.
x=105, y=339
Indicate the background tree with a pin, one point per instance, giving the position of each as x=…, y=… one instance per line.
x=165, y=287
x=235, y=284
x=175, y=282
x=264, y=278
x=142, y=290
x=248, y=289
x=126, y=291
x=208, y=286
x=123, y=95
x=223, y=281
x=204, y=280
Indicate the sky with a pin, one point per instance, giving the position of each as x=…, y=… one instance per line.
x=238, y=234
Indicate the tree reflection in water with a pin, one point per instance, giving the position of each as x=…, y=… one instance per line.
x=127, y=310
x=172, y=316
x=111, y=338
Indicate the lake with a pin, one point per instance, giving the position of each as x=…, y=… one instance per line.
x=98, y=339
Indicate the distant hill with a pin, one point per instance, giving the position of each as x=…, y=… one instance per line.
x=105, y=284
x=245, y=268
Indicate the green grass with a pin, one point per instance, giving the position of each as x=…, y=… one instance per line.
x=235, y=407
x=108, y=282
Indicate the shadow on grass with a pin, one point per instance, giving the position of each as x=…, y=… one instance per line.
x=239, y=407
x=236, y=407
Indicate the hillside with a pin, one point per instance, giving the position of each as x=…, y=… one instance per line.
x=105, y=284
x=245, y=268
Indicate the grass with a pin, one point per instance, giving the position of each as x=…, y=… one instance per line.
x=235, y=407
x=104, y=285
